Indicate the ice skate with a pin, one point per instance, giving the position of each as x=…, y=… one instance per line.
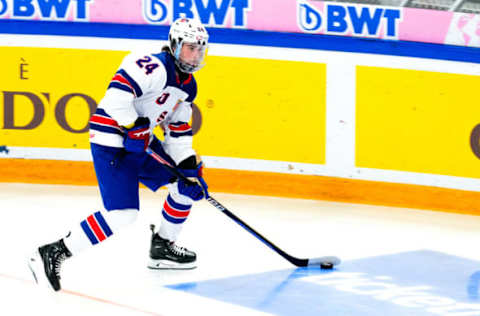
x=46, y=262
x=165, y=254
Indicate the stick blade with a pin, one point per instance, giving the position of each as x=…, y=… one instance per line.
x=327, y=260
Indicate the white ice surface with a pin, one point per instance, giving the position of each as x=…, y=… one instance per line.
x=112, y=278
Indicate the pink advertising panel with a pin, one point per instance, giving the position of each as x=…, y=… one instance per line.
x=303, y=16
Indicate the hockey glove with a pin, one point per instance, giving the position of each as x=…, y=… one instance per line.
x=137, y=137
x=191, y=189
x=189, y=169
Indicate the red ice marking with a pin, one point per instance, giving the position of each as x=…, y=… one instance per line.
x=84, y=296
x=96, y=228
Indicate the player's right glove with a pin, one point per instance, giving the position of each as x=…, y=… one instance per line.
x=191, y=170
x=137, y=137
x=191, y=189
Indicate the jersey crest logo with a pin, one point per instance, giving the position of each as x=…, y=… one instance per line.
x=162, y=117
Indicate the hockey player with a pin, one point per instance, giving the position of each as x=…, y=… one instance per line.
x=148, y=90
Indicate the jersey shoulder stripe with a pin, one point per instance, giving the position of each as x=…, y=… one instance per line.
x=123, y=81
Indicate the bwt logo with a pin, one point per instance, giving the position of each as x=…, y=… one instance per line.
x=341, y=19
x=158, y=11
x=46, y=9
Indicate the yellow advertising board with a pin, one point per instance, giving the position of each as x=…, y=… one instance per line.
x=247, y=108
x=48, y=93
x=418, y=121
x=263, y=109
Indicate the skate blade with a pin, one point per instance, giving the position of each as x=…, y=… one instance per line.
x=35, y=264
x=170, y=265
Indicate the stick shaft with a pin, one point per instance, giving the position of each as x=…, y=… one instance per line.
x=295, y=261
x=268, y=243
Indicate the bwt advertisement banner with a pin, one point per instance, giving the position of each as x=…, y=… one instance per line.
x=303, y=16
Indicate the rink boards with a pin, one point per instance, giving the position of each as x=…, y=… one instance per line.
x=378, y=125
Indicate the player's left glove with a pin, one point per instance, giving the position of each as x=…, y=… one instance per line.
x=137, y=137
x=190, y=169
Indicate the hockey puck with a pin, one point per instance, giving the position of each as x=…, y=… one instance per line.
x=326, y=265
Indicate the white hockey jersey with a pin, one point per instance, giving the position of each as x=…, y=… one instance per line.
x=146, y=85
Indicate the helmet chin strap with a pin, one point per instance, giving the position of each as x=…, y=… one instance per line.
x=178, y=49
x=179, y=67
x=181, y=73
x=178, y=62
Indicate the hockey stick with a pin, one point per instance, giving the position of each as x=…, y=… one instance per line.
x=326, y=262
